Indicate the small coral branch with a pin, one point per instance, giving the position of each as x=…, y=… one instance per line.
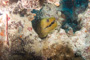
x=30, y=4
x=6, y=28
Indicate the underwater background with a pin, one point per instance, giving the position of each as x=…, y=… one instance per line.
x=71, y=9
x=44, y=29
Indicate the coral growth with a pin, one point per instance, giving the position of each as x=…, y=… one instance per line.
x=58, y=52
x=25, y=43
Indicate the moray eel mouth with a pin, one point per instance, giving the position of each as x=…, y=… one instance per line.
x=46, y=26
x=50, y=24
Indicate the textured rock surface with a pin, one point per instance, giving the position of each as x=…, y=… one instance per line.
x=24, y=43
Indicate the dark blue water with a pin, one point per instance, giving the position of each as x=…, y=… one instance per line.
x=71, y=9
x=37, y=19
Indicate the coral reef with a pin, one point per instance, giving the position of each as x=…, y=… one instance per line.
x=31, y=4
x=58, y=52
x=25, y=43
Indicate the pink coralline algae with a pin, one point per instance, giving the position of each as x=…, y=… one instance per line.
x=30, y=4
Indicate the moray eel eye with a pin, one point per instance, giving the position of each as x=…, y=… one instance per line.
x=47, y=20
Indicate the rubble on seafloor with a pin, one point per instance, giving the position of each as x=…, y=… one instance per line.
x=24, y=42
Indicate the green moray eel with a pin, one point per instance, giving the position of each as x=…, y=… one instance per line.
x=45, y=26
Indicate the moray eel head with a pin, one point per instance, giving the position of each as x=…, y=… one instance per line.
x=45, y=26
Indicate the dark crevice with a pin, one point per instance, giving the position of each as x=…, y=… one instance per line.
x=71, y=9
x=13, y=1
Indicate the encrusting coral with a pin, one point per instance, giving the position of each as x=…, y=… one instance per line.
x=25, y=43
x=60, y=52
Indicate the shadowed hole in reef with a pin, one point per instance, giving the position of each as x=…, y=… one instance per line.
x=71, y=9
x=13, y=1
